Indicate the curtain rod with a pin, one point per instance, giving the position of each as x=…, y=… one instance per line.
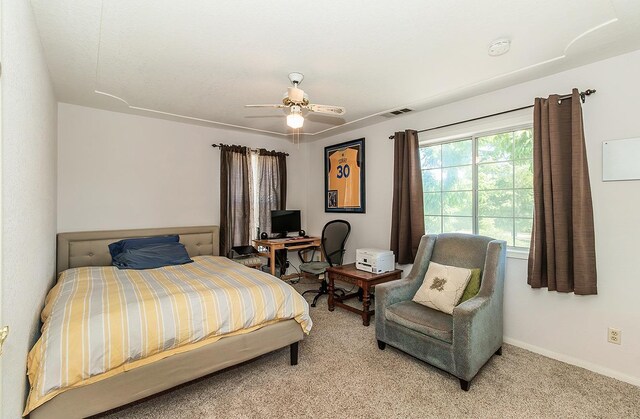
x=250, y=149
x=583, y=96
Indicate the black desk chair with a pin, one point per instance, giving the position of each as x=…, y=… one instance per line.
x=334, y=237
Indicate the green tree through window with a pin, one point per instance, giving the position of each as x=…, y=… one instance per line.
x=481, y=184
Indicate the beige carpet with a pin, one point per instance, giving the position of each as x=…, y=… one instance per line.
x=342, y=373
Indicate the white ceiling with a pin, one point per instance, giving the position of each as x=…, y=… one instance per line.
x=203, y=60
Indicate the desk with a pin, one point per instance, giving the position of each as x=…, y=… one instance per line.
x=362, y=279
x=294, y=243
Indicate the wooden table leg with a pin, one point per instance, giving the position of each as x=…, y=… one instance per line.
x=365, y=305
x=272, y=260
x=331, y=289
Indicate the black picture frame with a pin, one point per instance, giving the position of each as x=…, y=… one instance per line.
x=344, y=184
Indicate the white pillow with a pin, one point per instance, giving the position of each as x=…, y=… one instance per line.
x=442, y=287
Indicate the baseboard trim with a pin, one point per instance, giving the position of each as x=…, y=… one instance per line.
x=575, y=361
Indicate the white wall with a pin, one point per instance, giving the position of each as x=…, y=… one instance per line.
x=126, y=171
x=28, y=194
x=564, y=326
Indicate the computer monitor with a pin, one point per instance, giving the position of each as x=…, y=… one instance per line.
x=284, y=221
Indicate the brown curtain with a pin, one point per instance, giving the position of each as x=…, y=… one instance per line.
x=562, y=255
x=407, y=219
x=272, y=185
x=235, y=197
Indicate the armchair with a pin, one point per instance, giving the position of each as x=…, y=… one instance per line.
x=459, y=343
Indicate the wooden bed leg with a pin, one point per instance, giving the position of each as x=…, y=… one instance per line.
x=294, y=353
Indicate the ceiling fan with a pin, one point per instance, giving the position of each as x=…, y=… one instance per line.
x=296, y=100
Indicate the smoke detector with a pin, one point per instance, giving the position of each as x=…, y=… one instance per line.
x=499, y=47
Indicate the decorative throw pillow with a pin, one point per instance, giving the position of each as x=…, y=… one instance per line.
x=442, y=287
x=130, y=244
x=473, y=287
x=152, y=256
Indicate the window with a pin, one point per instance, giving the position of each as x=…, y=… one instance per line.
x=268, y=189
x=480, y=184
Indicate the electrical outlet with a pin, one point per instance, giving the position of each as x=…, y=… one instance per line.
x=615, y=336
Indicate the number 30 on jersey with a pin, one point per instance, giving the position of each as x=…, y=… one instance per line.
x=343, y=171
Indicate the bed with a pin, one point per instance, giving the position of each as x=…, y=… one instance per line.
x=83, y=252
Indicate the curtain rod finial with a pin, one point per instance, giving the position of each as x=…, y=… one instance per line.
x=588, y=92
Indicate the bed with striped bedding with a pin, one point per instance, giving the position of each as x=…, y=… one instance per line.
x=100, y=321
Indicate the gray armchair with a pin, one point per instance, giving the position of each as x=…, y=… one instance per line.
x=460, y=343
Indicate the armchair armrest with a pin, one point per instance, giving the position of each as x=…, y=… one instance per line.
x=396, y=291
x=465, y=313
x=477, y=323
x=477, y=334
x=402, y=289
x=390, y=293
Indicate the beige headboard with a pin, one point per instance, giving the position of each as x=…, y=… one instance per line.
x=90, y=248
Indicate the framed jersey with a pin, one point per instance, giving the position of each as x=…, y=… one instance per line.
x=344, y=188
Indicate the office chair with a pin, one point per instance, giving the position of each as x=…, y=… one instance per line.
x=334, y=237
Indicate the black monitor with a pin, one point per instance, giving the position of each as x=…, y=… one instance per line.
x=284, y=221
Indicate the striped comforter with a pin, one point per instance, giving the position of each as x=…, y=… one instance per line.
x=101, y=321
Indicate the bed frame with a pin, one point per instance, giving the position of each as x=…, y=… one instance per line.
x=90, y=249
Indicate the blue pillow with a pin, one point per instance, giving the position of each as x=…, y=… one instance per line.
x=120, y=246
x=152, y=256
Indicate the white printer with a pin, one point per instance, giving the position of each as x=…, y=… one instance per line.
x=375, y=260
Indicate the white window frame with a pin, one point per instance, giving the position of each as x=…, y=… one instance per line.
x=473, y=132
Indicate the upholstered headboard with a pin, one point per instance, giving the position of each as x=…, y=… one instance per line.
x=90, y=248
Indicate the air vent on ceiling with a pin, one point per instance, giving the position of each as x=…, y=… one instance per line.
x=397, y=112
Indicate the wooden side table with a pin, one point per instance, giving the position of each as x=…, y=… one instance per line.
x=362, y=279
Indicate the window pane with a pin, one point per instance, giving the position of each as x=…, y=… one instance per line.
x=432, y=225
x=523, y=174
x=458, y=225
x=457, y=203
x=432, y=205
x=458, y=153
x=498, y=228
x=495, y=203
x=495, y=176
x=497, y=147
x=431, y=180
x=497, y=186
x=523, y=144
x=523, y=232
x=457, y=178
x=524, y=203
x=430, y=157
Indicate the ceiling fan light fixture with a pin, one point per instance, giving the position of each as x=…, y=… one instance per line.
x=295, y=120
x=296, y=100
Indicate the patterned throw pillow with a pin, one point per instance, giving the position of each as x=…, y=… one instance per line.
x=473, y=287
x=442, y=287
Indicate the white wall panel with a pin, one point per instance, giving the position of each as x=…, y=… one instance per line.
x=565, y=326
x=29, y=118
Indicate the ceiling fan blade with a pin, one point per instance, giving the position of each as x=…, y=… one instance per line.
x=327, y=109
x=265, y=106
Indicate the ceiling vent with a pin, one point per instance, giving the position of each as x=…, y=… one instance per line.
x=397, y=112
